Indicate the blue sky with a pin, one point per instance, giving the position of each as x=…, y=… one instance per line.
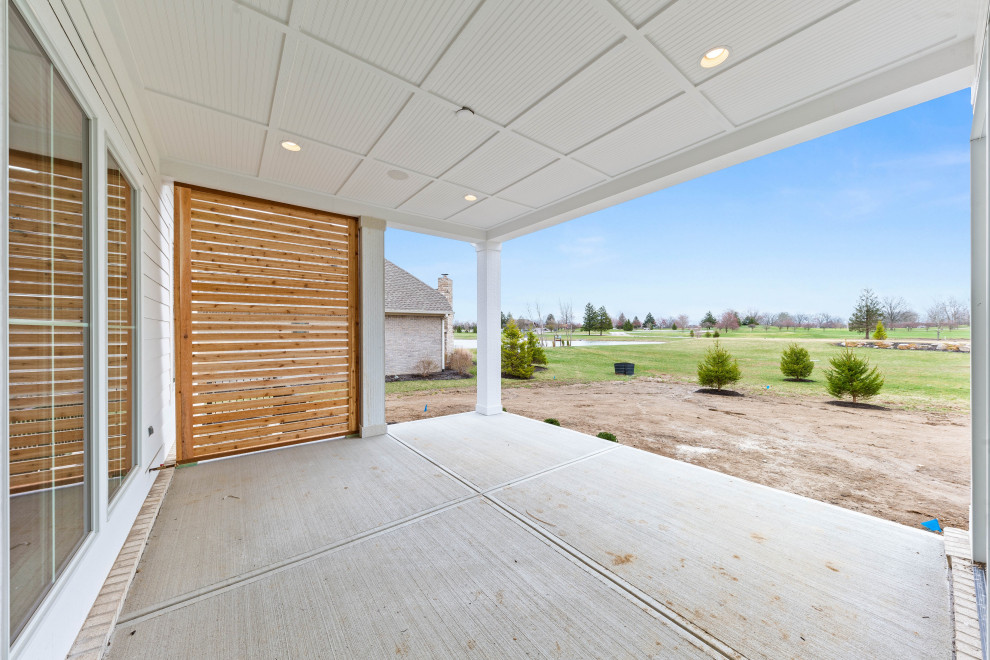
x=884, y=204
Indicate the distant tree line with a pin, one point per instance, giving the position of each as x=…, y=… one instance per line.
x=945, y=313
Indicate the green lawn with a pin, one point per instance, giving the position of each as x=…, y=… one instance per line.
x=773, y=333
x=914, y=379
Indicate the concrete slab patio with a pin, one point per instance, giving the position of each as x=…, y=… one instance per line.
x=504, y=537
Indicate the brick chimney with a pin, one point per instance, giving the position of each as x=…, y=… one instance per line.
x=445, y=286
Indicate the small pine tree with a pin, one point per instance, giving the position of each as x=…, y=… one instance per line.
x=852, y=375
x=604, y=321
x=708, y=321
x=692, y=333
x=516, y=359
x=590, y=318
x=868, y=311
x=673, y=326
x=880, y=332
x=718, y=369
x=795, y=362
x=536, y=352
x=627, y=326
x=649, y=322
x=716, y=335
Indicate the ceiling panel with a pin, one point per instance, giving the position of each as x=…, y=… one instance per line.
x=836, y=50
x=638, y=12
x=501, y=161
x=427, y=137
x=331, y=99
x=514, y=52
x=198, y=135
x=674, y=125
x=489, y=212
x=275, y=8
x=553, y=182
x=405, y=38
x=689, y=28
x=438, y=200
x=317, y=167
x=371, y=183
x=617, y=87
x=213, y=53
x=561, y=74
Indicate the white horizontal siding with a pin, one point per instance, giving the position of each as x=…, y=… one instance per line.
x=78, y=37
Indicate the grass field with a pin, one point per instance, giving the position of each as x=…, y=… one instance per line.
x=760, y=333
x=914, y=379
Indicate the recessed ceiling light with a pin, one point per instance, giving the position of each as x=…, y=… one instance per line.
x=464, y=113
x=398, y=175
x=470, y=198
x=714, y=56
x=289, y=145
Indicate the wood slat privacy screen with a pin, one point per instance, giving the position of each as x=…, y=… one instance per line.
x=47, y=322
x=266, y=324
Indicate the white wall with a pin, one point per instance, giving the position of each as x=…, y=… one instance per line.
x=77, y=37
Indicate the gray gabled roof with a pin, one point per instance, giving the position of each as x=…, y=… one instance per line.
x=405, y=293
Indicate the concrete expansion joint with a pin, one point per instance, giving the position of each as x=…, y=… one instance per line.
x=709, y=641
x=209, y=591
x=204, y=593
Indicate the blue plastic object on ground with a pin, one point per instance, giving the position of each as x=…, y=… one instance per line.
x=932, y=525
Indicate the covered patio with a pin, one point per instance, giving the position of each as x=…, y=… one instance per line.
x=499, y=536
x=192, y=253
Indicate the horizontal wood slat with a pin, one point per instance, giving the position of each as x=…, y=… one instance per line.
x=278, y=405
x=207, y=263
x=45, y=274
x=283, y=258
x=261, y=379
x=237, y=205
x=266, y=318
x=120, y=326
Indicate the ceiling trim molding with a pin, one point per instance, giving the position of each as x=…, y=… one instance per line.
x=290, y=46
x=411, y=87
x=638, y=39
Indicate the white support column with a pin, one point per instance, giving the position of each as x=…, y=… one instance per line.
x=489, y=328
x=980, y=320
x=372, y=255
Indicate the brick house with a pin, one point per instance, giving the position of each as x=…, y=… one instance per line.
x=419, y=321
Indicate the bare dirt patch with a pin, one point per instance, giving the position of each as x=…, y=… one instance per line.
x=902, y=465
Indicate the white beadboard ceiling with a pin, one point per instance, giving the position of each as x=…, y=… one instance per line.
x=579, y=104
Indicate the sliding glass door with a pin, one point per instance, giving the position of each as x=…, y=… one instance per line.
x=49, y=322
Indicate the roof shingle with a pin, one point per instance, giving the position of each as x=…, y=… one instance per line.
x=406, y=293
